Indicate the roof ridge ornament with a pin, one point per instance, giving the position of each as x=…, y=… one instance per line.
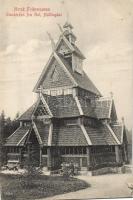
x=111, y=95
x=123, y=120
x=40, y=90
x=61, y=29
x=52, y=41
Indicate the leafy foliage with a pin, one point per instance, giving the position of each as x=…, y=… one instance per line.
x=7, y=127
x=32, y=172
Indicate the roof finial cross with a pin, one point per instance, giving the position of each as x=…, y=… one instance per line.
x=66, y=11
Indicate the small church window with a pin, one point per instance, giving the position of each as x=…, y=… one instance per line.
x=48, y=92
x=44, y=151
x=60, y=92
x=68, y=91
x=13, y=150
x=67, y=150
x=80, y=150
x=70, y=150
x=75, y=150
x=63, y=150
x=84, y=150
x=53, y=92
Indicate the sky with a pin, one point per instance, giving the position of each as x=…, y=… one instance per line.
x=104, y=30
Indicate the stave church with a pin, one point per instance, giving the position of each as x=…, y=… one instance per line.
x=70, y=121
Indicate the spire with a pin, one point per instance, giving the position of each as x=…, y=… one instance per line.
x=68, y=32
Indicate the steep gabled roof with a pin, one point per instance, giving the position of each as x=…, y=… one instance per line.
x=78, y=80
x=18, y=138
x=26, y=116
x=118, y=130
x=43, y=131
x=102, y=108
x=97, y=108
x=72, y=47
x=78, y=52
x=100, y=135
x=82, y=80
x=53, y=57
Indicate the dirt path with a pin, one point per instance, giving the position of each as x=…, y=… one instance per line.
x=104, y=186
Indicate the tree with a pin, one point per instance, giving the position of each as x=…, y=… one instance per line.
x=15, y=122
x=27, y=180
x=7, y=127
x=17, y=116
x=2, y=123
x=10, y=125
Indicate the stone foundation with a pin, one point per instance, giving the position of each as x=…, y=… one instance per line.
x=128, y=169
x=101, y=171
x=105, y=170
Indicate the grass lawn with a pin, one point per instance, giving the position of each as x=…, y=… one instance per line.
x=17, y=187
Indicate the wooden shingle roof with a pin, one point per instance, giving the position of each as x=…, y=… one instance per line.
x=62, y=106
x=18, y=138
x=78, y=52
x=118, y=130
x=100, y=109
x=28, y=113
x=83, y=80
x=100, y=135
x=69, y=135
x=73, y=47
x=43, y=131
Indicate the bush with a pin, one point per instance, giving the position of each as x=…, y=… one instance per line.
x=69, y=169
x=32, y=172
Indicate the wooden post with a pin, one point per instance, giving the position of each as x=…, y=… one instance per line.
x=20, y=155
x=40, y=156
x=117, y=154
x=88, y=157
x=29, y=153
x=49, y=163
x=132, y=151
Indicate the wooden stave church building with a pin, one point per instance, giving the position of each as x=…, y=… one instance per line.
x=70, y=121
